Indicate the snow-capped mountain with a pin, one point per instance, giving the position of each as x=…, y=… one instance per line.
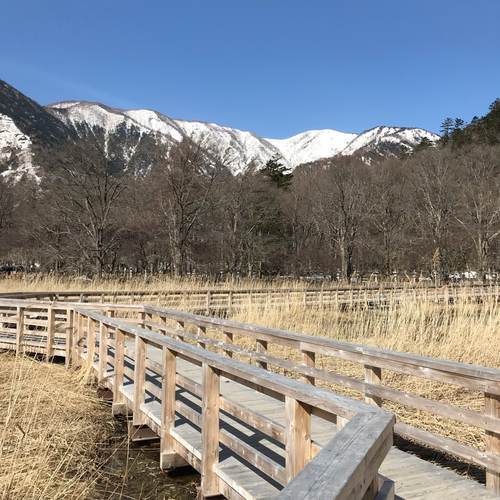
x=129, y=135
x=238, y=148
x=312, y=145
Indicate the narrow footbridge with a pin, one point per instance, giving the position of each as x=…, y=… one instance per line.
x=253, y=409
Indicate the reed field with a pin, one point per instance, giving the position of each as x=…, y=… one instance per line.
x=467, y=332
x=463, y=332
x=53, y=431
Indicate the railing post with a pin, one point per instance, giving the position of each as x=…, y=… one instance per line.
x=180, y=326
x=308, y=359
x=69, y=338
x=103, y=352
x=90, y=342
x=261, y=347
x=228, y=339
x=201, y=331
x=139, y=380
x=79, y=339
x=492, y=408
x=19, y=329
x=168, y=456
x=373, y=375
x=208, y=302
x=210, y=431
x=298, y=436
x=51, y=324
x=119, y=407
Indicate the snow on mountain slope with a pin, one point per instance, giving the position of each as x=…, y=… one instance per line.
x=312, y=145
x=11, y=136
x=387, y=137
x=92, y=114
x=16, y=146
x=156, y=122
x=238, y=148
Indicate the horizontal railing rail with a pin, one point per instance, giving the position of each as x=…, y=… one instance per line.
x=212, y=300
x=372, y=388
x=38, y=326
x=366, y=431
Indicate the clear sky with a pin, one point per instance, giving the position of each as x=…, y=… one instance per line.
x=276, y=67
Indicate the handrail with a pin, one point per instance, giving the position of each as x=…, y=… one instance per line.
x=373, y=360
x=369, y=429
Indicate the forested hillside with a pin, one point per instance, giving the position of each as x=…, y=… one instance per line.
x=433, y=210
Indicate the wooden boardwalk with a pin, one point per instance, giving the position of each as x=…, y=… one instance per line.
x=215, y=404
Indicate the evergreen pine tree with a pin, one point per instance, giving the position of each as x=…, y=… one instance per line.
x=446, y=128
x=278, y=173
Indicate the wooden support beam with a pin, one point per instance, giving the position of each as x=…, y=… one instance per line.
x=373, y=375
x=51, y=327
x=261, y=347
x=492, y=407
x=119, y=407
x=210, y=431
x=201, y=331
x=309, y=360
x=228, y=339
x=69, y=350
x=103, y=352
x=169, y=458
x=139, y=380
x=298, y=436
x=19, y=329
x=90, y=342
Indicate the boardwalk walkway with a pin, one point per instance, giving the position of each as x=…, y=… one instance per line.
x=216, y=403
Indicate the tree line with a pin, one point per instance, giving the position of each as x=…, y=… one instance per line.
x=435, y=211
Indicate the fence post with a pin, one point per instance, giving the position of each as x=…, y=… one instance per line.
x=79, y=339
x=308, y=359
x=51, y=324
x=208, y=302
x=119, y=407
x=210, y=431
x=69, y=338
x=90, y=342
x=168, y=456
x=19, y=329
x=492, y=408
x=103, y=352
x=373, y=375
x=201, y=331
x=261, y=347
x=139, y=380
x=298, y=436
x=228, y=339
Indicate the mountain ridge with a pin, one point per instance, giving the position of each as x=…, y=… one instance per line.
x=125, y=129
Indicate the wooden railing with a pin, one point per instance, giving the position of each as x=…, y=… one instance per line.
x=221, y=335
x=212, y=300
x=270, y=349
x=145, y=381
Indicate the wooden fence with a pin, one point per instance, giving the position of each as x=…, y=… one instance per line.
x=57, y=328
x=214, y=300
x=140, y=367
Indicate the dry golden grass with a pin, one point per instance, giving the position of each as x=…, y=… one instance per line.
x=464, y=332
x=52, y=430
x=47, y=282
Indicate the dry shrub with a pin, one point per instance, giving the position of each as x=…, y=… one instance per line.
x=52, y=430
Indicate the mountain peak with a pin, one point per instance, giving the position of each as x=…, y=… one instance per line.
x=239, y=148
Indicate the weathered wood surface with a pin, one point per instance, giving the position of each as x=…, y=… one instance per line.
x=269, y=409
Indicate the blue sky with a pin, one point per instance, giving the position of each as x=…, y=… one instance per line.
x=276, y=67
